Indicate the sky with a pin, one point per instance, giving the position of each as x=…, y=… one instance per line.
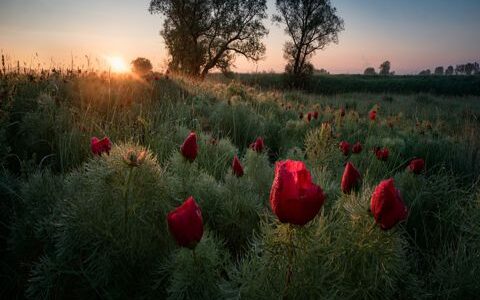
x=413, y=34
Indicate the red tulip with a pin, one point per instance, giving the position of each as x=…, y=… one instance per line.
x=417, y=165
x=315, y=115
x=189, y=147
x=344, y=147
x=186, y=224
x=387, y=205
x=258, y=145
x=294, y=198
x=342, y=112
x=351, y=177
x=237, y=167
x=309, y=116
x=372, y=115
x=357, y=148
x=99, y=146
x=382, y=154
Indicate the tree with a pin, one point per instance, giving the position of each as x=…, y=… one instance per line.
x=459, y=69
x=369, y=71
x=202, y=35
x=425, y=72
x=141, y=66
x=438, y=71
x=469, y=68
x=311, y=25
x=449, y=71
x=385, y=68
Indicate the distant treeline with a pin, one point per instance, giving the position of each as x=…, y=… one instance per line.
x=406, y=84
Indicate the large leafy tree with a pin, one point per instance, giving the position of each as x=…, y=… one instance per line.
x=311, y=25
x=204, y=34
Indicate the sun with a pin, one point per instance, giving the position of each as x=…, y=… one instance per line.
x=117, y=64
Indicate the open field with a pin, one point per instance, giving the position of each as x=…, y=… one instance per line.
x=75, y=225
x=339, y=84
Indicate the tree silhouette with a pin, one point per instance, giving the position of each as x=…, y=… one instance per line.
x=385, y=68
x=438, y=70
x=449, y=70
x=369, y=71
x=202, y=35
x=141, y=66
x=311, y=25
x=425, y=72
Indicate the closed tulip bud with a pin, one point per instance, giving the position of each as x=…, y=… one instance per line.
x=237, y=167
x=417, y=165
x=100, y=146
x=345, y=147
x=186, y=224
x=351, y=178
x=294, y=198
x=387, y=205
x=357, y=148
x=258, y=145
x=189, y=148
x=382, y=154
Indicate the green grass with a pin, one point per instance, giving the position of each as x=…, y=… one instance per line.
x=69, y=229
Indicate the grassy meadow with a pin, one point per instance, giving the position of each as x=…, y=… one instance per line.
x=74, y=225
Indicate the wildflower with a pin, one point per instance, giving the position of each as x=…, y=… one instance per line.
x=186, y=224
x=357, y=148
x=342, y=112
x=387, y=205
x=382, y=154
x=345, y=147
x=309, y=116
x=258, y=145
x=189, y=147
x=351, y=177
x=134, y=159
x=237, y=167
x=315, y=115
x=372, y=115
x=100, y=146
x=294, y=198
x=417, y=165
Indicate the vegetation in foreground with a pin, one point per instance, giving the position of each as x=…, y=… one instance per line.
x=83, y=218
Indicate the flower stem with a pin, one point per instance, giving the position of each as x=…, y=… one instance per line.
x=125, y=197
x=290, y=254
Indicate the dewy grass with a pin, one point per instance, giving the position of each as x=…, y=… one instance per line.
x=63, y=209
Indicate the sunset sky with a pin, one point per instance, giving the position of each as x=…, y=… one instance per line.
x=413, y=35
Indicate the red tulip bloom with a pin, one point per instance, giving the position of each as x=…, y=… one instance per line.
x=309, y=116
x=372, y=115
x=237, y=167
x=344, y=147
x=294, y=198
x=258, y=145
x=357, y=148
x=315, y=115
x=417, y=165
x=382, y=154
x=351, y=177
x=99, y=146
x=342, y=112
x=189, y=147
x=387, y=205
x=186, y=224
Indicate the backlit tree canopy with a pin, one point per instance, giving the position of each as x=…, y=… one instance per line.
x=204, y=34
x=311, y=25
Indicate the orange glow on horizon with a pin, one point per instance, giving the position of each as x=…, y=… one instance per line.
x=118, y=64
